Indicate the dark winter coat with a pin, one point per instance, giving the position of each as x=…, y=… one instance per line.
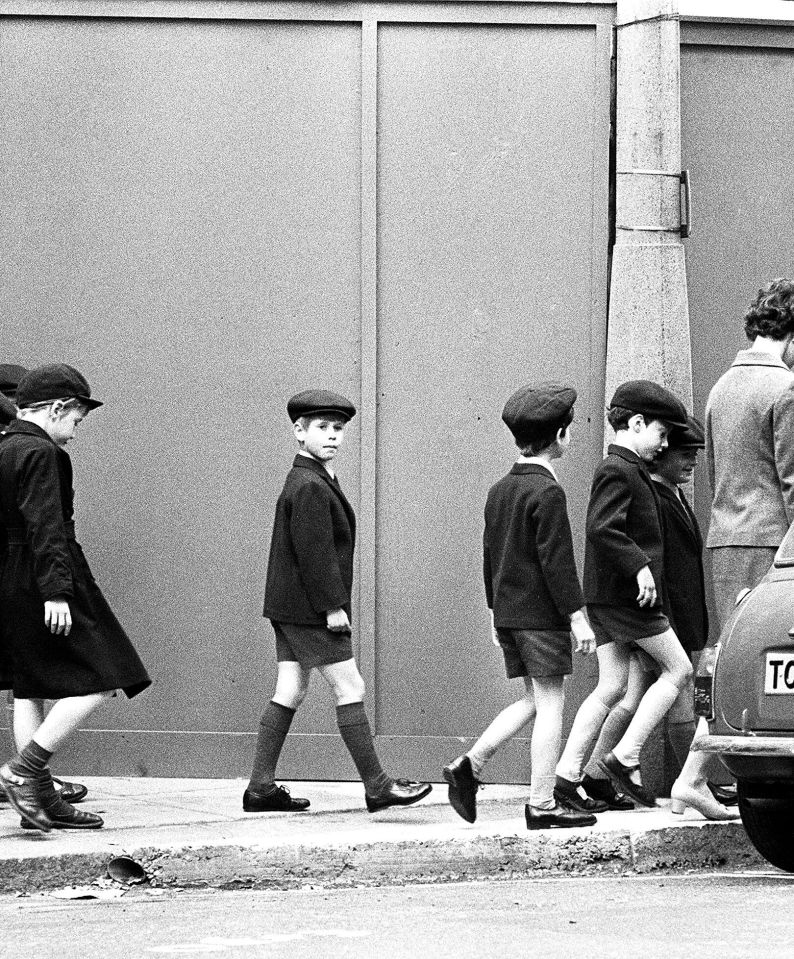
x=683, y=571
x=624, y=531
x=310, y=568
x=528, y=562
x=45, y=562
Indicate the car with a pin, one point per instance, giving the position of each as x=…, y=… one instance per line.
x=744, y=687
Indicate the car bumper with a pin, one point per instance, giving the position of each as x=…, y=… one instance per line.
x=752, y=757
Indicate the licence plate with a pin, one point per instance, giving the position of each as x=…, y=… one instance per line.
x=779, y=676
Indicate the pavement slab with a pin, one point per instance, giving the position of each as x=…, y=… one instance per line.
x=194, y=833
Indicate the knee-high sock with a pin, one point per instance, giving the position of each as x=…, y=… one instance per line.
x=273, y=728
x=507, y=724
x=680, y=736
x=357, y=735
x=546, y=736
x=653, y=706
x=613, y=730
x=31, y=762
x=586, y=726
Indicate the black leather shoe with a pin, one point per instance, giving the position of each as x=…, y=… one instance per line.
x=402, y=792
x=278, y=800
x=463, y=787
x=64, y=816
x=727, y=795
x=602, y=790
x=621, y=779
x=566, y=792
x=70, y=792
x=560, y=817
x=24, y=797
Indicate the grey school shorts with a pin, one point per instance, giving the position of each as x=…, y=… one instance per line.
x=536, y=652
x=311, y=646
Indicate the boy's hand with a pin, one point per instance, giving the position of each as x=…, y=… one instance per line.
x=58, y=616
x=337, y=622
x=494, y=634
x=583, y=634
x=645, y=581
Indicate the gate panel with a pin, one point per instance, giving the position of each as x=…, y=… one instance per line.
x=487, y=192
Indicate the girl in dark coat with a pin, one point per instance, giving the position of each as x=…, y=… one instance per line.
x=66, y=645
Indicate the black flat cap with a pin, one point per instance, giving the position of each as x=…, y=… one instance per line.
x=55, y=381
x=692, y=436
x=533, y=409
x=10, y=375
x=652, y=400
x=310, y=402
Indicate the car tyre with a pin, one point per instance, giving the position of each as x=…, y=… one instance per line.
x=768, y=818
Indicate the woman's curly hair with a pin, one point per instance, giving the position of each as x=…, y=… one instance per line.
x=772, y=312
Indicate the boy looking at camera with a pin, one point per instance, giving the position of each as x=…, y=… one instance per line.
x=307, y=599
x=536, y=603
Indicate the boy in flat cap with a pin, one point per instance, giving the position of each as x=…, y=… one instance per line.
x=533, y=591
x=10, y=375
x=624, y=589
x=66, y=645
x=307, y=599
x=685, y=606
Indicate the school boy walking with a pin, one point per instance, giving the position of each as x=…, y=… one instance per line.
x=685, y=595
x=65, y=643
x=307, y=599
x=624, y=590
x=533, y=591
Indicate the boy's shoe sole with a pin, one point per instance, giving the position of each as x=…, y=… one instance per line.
x=463, y=786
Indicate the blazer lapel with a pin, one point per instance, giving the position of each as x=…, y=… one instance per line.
x=307, y=462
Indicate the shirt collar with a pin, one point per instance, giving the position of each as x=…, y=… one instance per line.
x=759, y=358
x=537, y=461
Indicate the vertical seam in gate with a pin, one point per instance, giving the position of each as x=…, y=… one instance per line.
x=367, y=555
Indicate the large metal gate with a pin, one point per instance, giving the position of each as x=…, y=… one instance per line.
x=209, y=210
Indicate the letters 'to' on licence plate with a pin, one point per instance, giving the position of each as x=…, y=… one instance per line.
x=779, y=675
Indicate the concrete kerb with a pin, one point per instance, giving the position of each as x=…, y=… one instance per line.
x=354, y=861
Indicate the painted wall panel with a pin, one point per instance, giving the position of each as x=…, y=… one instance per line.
x=737, y=140
x=181, y=222
x=487, y=149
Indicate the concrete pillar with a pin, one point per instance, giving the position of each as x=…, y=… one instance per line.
x=648, y=333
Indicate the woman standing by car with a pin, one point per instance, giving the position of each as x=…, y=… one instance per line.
x=750, y=449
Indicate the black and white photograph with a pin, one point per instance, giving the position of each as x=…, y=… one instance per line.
x=396, y=479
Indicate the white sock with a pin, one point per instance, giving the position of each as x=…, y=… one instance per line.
x=653, y=706
x=586, y=727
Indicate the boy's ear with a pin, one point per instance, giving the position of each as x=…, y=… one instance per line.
x=298, y=430
x=636, y=422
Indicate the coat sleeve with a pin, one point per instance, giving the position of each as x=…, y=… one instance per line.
x=487, y=570
x=607, y=522
x=554, y=544
x=783, y=433
x=39, y=502
x=311, y=532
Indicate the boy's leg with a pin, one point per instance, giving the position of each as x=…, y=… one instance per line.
x=381, y=790
x=463, y=773
x=28, y=716
x=26, y=778
x=613, y=671
x=503, y=728
x=622, y=764
x=262, y=794
x=544, y=810
x=546, y=737
x=613, y=730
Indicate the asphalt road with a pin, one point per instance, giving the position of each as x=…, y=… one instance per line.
x=729, y=916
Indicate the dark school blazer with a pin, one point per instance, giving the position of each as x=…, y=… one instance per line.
x=624, y=531
x=685, y=588
x=528, y=563
x=43, y=561
x=310, y=567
